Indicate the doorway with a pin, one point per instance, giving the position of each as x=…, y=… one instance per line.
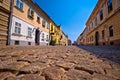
x=37, y=37
x=97, y=38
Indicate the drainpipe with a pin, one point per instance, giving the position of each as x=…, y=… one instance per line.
x=10, y=21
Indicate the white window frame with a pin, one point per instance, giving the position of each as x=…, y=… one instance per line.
x=29, y=32
x=48, y=25
x=19, y=4
x=43, y=23
x=17, y=28
x=47, y=38
x=43, y=36
x=38, y=16
x=30, y=12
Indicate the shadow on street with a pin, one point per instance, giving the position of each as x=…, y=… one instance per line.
x=109, y=52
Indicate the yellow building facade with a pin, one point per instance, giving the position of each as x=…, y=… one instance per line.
x=54, y=34
x=103, y=25
x=58, y=37
x=63, y=39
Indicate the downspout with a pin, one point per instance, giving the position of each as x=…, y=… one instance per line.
x=10, y=22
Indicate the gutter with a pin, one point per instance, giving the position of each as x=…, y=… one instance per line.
x=10, y=21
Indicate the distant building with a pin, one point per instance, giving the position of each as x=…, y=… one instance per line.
x=69, y=42
x=103, y=25
x=54, y=34
x=82, y=38
x=57, y=36
x=63, y=39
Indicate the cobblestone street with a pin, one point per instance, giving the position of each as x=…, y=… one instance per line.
x=58, y=63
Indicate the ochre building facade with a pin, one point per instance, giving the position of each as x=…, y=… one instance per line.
x=103, y=25
x=4, y=21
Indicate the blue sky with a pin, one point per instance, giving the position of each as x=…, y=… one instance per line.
x=71, y=14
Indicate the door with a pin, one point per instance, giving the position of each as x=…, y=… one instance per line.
x=97, y=38
x=37, y=37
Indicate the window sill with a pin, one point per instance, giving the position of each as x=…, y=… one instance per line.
x=14, y=34
x=30, y=17
x=28, y=37
x=19, y=9
x=38, y=22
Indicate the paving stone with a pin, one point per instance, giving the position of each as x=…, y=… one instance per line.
x=114, y=73
x=78, y=75
x=53, y=73
x=5, y=75
x=31, y=77
x=58, y=63
x=64, y=65
x=102, y=77
x=33, y=68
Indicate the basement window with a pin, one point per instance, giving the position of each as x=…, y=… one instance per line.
x=17, y=42
x=29, y=43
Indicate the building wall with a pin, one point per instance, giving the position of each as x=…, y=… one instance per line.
x=109, y=19
x=4, y=21
x=23, y=37
x=21, y=16
x=45, y=42
x=64, y=39
x=55, y=34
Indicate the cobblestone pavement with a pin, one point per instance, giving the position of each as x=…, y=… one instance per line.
x=109, y=52
x=55, y=63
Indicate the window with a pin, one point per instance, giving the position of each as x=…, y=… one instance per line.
x=47, y=38
x=43, y=23
x=103, y=34
x=19, y=4
x=29, y=32
x=101, y=15
x=92, y=24
x=88, y=28
x=92, y=38
x=48, y=25
x=38, y=18
x=96, y=21
x=51, y=27
x=17, y=42
x=111, y=31
x=17, y=28
x=31, y=13
x=109, y=4
x=42, y=37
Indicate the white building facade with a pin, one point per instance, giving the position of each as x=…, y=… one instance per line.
x=23, y=33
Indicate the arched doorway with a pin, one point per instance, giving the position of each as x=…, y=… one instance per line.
x=37, y=37
x=97, y=38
